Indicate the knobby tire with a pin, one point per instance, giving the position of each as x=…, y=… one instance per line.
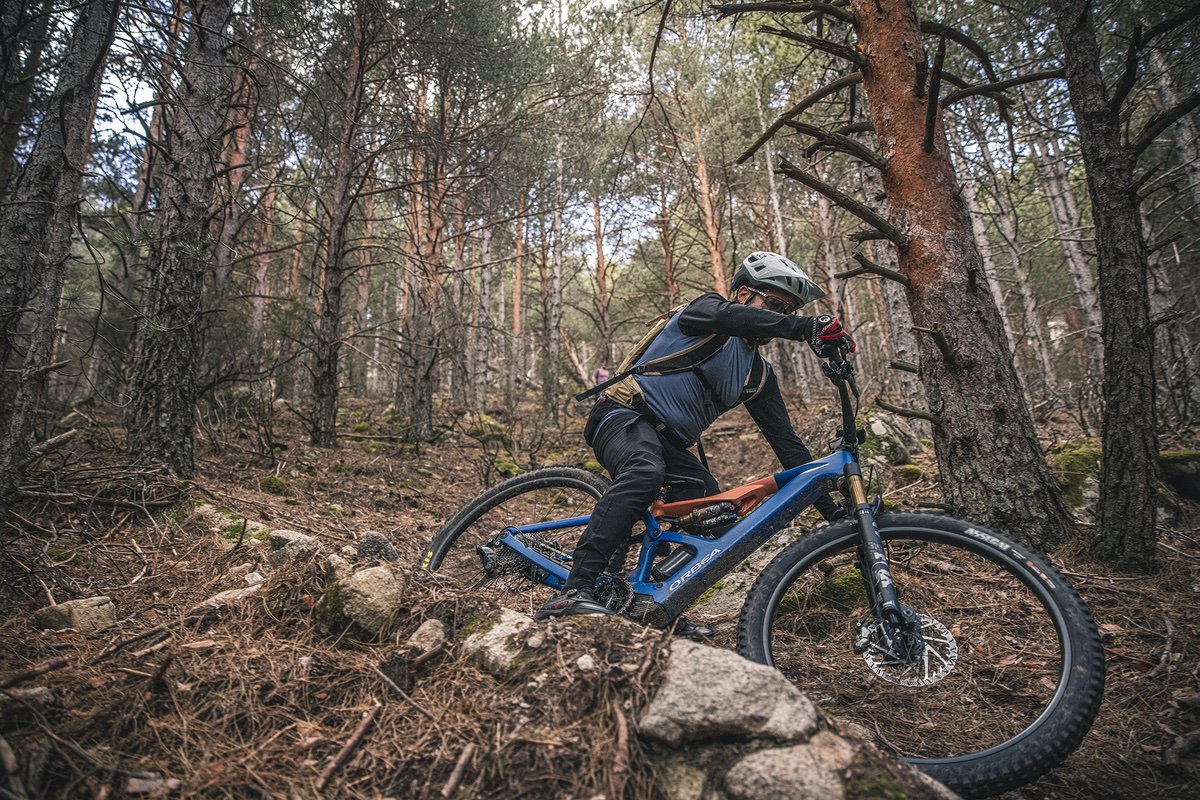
x=1029, y=672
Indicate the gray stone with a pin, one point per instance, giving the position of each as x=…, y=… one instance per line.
x=230, y=597
x=796, y=771
x=373, y=545
x=710, y=693
x=586, y=663
x=431, y=635
x=337, y=568
x=679, y=780
x=86, y=615
x=289, y=545
x=495, y=647
x=367, y=599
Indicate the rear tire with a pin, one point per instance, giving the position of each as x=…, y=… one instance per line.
x=544, y=494
x=1026, y=670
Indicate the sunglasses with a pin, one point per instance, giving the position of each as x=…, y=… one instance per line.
x=772, y=303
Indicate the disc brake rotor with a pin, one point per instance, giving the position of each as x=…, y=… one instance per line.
x=934, y=662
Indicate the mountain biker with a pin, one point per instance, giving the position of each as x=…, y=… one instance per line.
x=643, y=432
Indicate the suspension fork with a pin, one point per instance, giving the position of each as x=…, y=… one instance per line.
x=877, y=574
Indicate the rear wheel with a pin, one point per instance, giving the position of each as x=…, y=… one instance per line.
x=538, y=496
x=1012, y=674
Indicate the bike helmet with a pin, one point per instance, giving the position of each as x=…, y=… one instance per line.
x=763, y=270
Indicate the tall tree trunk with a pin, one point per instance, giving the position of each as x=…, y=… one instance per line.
x=552, y=323
x=514, y=340
x=666, y=237
x=161, y=412
x=603, y=288
x=19, y=29
x=1032, y=323
x=35, y=233
x=1128, y=481
x=710, y=216
x=992, y=466
x=263, y=258
x=1180, y=356
x=1084, y=315
x=327, y=348
x=359, y=365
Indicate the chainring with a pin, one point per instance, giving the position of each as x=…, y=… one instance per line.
x=936, y=660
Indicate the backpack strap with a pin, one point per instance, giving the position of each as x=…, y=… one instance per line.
x=689, y=358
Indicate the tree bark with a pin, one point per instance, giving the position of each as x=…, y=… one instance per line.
x=161, y=413
x=1129, y=455
x=710, y=215
x=327, y=349
x=35, y=234
x=992, y=466
x=19, y=75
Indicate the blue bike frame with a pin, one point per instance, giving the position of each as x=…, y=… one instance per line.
x=713, y=557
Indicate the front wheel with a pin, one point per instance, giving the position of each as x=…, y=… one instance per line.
x=538, y=496
x=1012, y=673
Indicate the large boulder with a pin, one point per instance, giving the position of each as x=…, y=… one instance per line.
x=1181, y=470
x=374, y=546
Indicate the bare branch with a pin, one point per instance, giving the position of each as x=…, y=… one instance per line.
x=912, y=413
x=891, y=274
x=1129, y=76
x=999, y=86
x=1171, y=23
x=862, y=126
x=1163, y=120
x=817, y=43
x=867, y=236
x=935, y=88
x=799, y=108
x=904, y=366
x=828, y=9
x=843, y=143
x=943, y=344
x=954, y=34
x=844, y=201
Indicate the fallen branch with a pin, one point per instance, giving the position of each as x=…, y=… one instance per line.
x=34, y=671
x=343, y=755
x=459, y=768
x=396, y=688
x=904, y=366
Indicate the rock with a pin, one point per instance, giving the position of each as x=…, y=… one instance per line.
x=1181, y=470
x=431, y=635
x=86, y=615
x=289, y=545
x=806, y=770
x=337, y=568
x=891, y=439
x=229, y=597
x=367, y=599
x=709, y=693
x=152, y=784
x=681, y=781
x=349, y=551
x=230, y=528
x=586, y=663
x=254, y=579
x=493, y=640
x=374, y=546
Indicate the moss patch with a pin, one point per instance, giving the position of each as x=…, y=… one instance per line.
x=1076, y=461
x=273, y=484
x=592, y=465
x=907, y=474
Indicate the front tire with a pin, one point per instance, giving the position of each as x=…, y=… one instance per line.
x=1026, y=670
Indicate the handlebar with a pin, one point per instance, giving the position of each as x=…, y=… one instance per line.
x=841, y=373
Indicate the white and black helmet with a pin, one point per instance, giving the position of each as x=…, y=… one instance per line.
x=763, y=270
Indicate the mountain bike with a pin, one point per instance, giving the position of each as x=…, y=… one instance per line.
x=953, y=646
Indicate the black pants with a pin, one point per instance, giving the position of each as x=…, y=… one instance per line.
x=638, y=460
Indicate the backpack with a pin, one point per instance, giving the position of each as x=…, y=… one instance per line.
x=670, y=364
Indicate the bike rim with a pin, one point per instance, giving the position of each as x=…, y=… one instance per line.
x=1003, y=565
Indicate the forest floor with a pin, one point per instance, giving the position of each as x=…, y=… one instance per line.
x=89, y=526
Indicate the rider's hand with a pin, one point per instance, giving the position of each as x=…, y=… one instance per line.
x=828, y=337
